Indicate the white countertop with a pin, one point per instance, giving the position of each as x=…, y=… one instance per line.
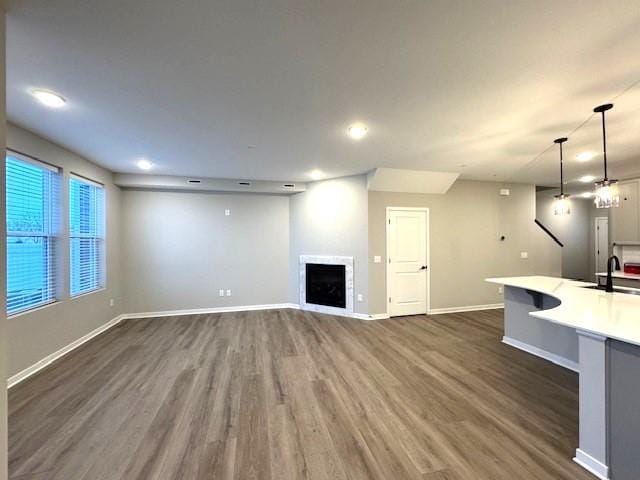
x=620, y=274
x=612, y=315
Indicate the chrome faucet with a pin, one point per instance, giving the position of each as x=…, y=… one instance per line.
x=609, y=286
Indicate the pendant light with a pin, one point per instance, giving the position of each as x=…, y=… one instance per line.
x=606, y=190
x=561, y=205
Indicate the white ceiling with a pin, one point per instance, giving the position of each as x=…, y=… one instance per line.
x=265, y=89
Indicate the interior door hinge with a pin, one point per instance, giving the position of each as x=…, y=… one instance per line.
x=389, y=221
x=389, y=299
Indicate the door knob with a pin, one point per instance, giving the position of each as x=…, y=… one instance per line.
x=423, y=267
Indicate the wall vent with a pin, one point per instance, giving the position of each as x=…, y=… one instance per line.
x=244, y=184
x=289, y=186
x=194, y=181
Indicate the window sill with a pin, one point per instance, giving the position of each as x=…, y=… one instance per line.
x=32, y=310
x=84, y=294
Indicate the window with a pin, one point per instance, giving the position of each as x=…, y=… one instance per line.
x=32, y=224
x=86, y=235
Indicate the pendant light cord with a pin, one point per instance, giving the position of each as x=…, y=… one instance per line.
x=561, y=173
x=604, y=147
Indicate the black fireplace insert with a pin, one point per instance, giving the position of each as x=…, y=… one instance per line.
x=326, y=285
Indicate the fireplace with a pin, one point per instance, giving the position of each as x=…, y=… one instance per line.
x=326, y=284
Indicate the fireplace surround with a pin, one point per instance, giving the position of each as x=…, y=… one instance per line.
x=326, y=284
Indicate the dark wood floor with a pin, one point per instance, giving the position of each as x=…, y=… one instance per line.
x=285, y=395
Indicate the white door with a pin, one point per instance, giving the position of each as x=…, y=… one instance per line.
x=407, y=261
x=602, y=243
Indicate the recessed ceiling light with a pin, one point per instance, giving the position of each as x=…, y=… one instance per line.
x=48, y=98
x=357, y=131
x=316, y=174
x=584, y=156
x=144, y=164
x=587, y=178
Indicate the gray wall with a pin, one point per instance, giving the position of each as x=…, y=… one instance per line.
x=330, y=218
x=465, y=226
x=39, y=333
x=572, y=230
x=180, y=249
x=3, y=268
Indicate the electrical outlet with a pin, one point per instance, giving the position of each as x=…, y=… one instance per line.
x=112, y=302
x=500, y=289
x=524, y=254
x=221, y=292
x=360, y=297
x=227, y=212
x=228, y=293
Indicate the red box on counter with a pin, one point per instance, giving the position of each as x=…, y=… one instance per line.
x=632, y=268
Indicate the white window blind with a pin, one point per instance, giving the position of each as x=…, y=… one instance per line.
x=86, y=235
x=32, y=196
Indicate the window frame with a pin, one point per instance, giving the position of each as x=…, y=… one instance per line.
x=100, y=238
x=52, y=219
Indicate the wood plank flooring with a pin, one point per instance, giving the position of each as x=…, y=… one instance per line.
x=284, y=394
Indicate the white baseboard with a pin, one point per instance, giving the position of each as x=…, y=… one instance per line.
x=470, y=308
x=592, y=465
x=196, y=311
x=374, y=316
x=49, y=359
x=538, y=352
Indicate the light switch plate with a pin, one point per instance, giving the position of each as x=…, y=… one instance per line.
x=524, y=254
x=360, y=297
x=221, y=292
x=377, y=259
x=228, y=293
x=227, y=212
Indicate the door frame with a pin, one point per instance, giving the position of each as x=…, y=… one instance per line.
x=386, y=258
x=595, y=242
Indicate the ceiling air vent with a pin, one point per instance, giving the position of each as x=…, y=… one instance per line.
x=244, y=184
x=289, y=186
x=194, y=181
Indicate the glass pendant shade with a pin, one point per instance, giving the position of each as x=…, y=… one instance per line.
x=562, y=205
x=607, y=195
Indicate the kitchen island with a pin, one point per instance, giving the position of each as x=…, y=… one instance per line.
x=596, y=334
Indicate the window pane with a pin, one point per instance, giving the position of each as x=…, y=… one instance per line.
x=31, y=227
x=86, y=264
x=86, y=221
x=28, y=265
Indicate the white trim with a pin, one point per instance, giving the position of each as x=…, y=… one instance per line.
x=469, y=308
x=49, y=359
x=375, y=316
x=592, y=465
x=428, y=253
x=538, y=352
x=196, y=311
